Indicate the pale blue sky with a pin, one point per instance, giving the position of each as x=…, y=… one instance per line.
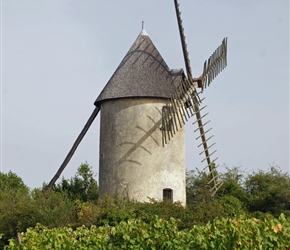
x=57, y=55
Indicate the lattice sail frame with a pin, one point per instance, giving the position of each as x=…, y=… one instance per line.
x=215, y=64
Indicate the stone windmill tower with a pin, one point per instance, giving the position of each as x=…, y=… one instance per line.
x=133, y=161
x=143, y=109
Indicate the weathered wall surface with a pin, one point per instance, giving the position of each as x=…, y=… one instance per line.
x=133, y=161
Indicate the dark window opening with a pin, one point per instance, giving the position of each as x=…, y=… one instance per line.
x=167, y=194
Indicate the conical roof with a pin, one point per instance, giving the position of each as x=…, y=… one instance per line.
x=142, y=73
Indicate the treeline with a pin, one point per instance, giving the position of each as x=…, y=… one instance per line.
x=74, y=202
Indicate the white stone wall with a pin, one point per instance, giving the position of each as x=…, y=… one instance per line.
x=133, y=161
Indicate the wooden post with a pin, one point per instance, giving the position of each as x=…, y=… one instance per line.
x=19, y=238
x=73, y=149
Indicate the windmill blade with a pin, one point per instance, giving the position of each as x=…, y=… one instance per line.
x=182, y=38
x=215, y=64
x=183, y=104
x=186, y=98
x=73, y=149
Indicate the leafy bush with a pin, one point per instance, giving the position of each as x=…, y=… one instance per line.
x=52, y=209
x=113, y=210
x=232, y=206
x=86, y=213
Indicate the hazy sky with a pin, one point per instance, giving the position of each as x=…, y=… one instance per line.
x=57, y=55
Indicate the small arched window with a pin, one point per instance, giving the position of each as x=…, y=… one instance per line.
x=167, y=194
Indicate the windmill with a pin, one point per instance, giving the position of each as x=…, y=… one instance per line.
x=143, y=109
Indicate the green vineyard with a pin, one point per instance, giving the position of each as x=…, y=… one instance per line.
x=238, y=233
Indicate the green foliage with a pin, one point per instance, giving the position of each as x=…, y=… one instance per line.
x=85, y=213
x=268, y=191
x=11, y=181
x=42, y=237
x=82, y=186
x=197, y=188
x=20, y=208
x=232, y=206
x=113, y=210
x=166, y=209
x=239, y=233
x=228, y=201
x=73, y=203
x=233, y=185
x=15, y=207
x=258, y=192
x=52, y=208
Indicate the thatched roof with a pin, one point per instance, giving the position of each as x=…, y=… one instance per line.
x=142, y=73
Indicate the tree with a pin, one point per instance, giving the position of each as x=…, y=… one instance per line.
x=12, y=182
x=15, y=205
x=82, y=186
x=197, y=188
x=269, y=191
x=233, y=185
x=226, y=202
x=21, y=208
